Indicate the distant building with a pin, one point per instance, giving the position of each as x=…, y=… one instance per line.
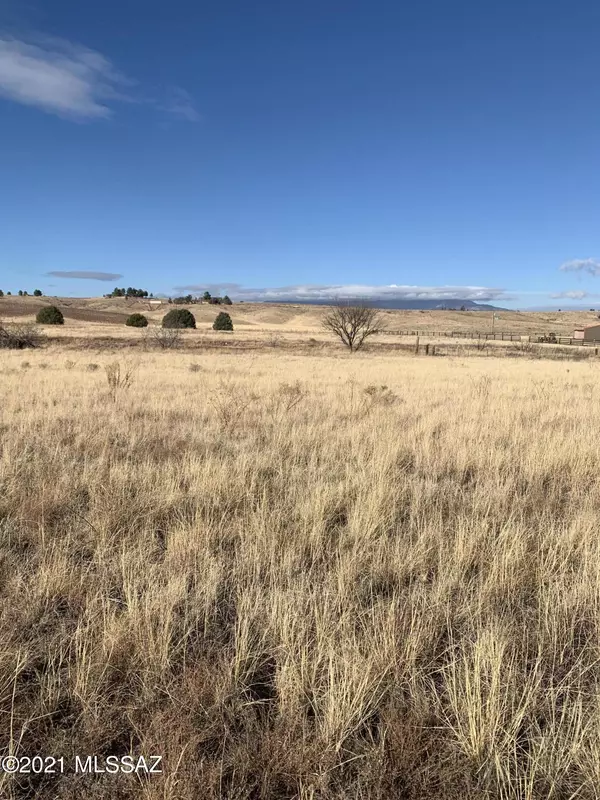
x=591, y=333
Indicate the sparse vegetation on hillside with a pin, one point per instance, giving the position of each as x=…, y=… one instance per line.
x=50, y=315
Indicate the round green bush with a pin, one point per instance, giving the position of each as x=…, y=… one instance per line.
x=223, y=322
x=179, y=318
x=137, y=321
x=50, y=315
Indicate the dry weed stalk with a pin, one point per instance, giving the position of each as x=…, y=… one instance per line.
x=229, y=402
x=118, y=376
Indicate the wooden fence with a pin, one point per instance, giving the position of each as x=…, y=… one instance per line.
x=500, y=336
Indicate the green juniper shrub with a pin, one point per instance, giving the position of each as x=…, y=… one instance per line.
x=179, y=318
x=50, y=315
x=137, y=321
x=223, y=322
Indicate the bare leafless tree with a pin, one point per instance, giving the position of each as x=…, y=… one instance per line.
x=353, y=322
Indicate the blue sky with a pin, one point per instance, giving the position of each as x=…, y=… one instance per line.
x=302, y=149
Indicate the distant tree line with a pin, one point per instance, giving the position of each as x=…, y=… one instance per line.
x=129, y=292
x=189, y=299
x=23, y=293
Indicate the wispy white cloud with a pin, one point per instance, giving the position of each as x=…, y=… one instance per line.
x=59, y=77
x=180, y=104
x=77, y=83
x=573, y=295
x=590, y=265
x=332, y=291
x=86, y=275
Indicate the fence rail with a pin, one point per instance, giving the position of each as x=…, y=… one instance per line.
x=499, y=336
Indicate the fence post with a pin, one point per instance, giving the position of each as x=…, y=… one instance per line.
x=417, y=346
x=426, y=349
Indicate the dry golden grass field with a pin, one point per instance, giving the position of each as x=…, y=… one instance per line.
x=300, y=574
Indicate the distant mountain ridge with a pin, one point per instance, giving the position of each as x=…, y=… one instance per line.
x=416, y=304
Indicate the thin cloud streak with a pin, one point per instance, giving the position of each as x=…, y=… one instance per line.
x=181, y=105
x=86, y=275
x=573, y=295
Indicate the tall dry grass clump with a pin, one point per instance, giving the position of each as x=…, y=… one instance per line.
x=369, y=578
